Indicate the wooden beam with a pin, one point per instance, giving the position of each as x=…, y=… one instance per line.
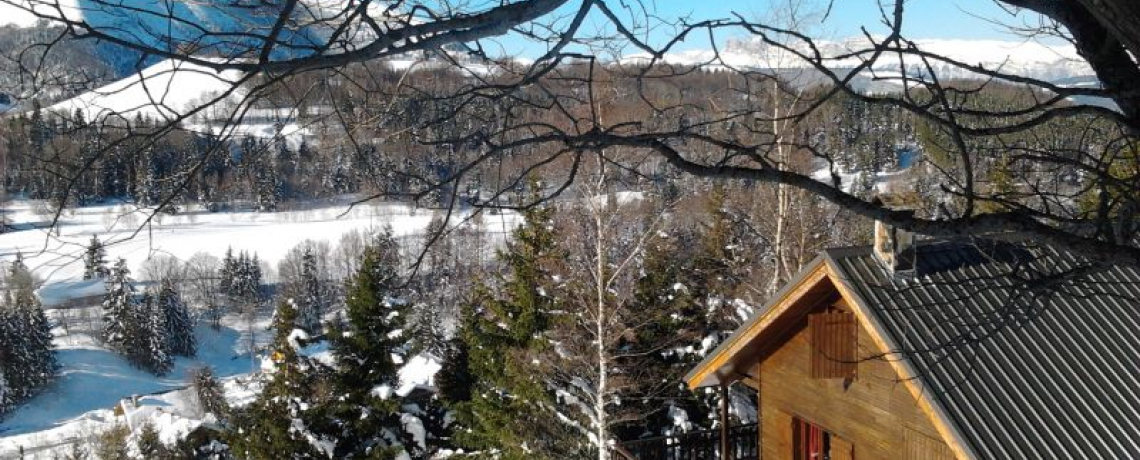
x=811, y=276
x=748, y=380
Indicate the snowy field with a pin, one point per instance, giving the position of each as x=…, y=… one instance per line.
x=93, y=380
x=54, y=254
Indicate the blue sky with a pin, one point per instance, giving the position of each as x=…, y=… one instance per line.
x=923, y=19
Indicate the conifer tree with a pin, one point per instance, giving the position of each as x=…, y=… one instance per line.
x=5, y=394
x=147, y=337
x=455, y=382
x=312, y=298
x=136, y=328
x=27, y=353
x=211, y=398
x=227, y=272
x=427, y=333
x=19, y=277
x=674, y=321
x=118, y=306
x=506, y=409
x=179, y=323
x=94, y=260
x=373, y=333
x=276, y=425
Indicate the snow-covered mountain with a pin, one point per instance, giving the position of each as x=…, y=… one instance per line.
x=162, y=91
x=1050, y=62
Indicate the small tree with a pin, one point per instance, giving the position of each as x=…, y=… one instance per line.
x=179, y=323
x=312, y=296
x=208, y=391
x=148, y=334
x=95, y=260
x=27, y=354
x=118, y=304
x=276, y=423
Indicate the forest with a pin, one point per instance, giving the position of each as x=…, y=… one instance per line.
x=654, y=205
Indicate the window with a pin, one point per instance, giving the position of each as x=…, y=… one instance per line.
x=810, y=442
x=834, y=343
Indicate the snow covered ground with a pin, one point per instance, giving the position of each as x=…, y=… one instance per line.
x=54, y=254
x=164, y=91
x=93, y=380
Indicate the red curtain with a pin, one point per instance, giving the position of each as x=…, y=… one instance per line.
x=809, y=441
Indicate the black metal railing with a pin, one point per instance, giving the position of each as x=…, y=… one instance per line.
x=743, y=444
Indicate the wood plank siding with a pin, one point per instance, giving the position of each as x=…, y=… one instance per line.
x=870, y=412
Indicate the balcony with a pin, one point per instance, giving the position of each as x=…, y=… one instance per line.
x=742, y=443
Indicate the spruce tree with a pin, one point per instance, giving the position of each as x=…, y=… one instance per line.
x=674, y=321
x=19, y=277
x=227, y=273
x=507, y=409
x=276, y=424
x=147, y=337
x=118, y=306
x=179, y=323
x=27, y=353
x=211, y=397
x=94, y=260
x=312, y=298
x=427, y=333
x=373, y=333
x=5, y=394
x=455, y=382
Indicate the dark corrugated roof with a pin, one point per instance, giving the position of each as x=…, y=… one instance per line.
x=1030, y=353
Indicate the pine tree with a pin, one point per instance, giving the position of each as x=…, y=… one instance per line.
x=136, y=328
x=5, y=394
x=27, y=353
x=505, y=411
x=19, y=277
x=118, y=306
x=148, y=336
x=455, y=382
x=674, y=321
x=227, y=272
x=275, y=426
x=179, y=324
x=366, y=373
x=312, y=298
x=94, y=260
x=211, y=398
x=427, y=334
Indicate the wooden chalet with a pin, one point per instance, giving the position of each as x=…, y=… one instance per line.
x=934, y=350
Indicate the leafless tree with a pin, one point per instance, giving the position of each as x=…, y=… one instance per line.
x=484, y=112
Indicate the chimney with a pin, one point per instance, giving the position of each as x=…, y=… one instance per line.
x=894, y=247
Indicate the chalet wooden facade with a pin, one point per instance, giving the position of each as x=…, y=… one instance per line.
x=941, y=350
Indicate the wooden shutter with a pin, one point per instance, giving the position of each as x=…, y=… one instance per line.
x=835, y=344
x=841, y=449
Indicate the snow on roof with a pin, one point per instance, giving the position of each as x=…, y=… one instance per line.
x=57, y=293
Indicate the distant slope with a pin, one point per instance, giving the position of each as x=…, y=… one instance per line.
x=162, y=91
x=1023, y=57
x=209, y=27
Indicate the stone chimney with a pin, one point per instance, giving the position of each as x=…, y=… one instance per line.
x=894, y=247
